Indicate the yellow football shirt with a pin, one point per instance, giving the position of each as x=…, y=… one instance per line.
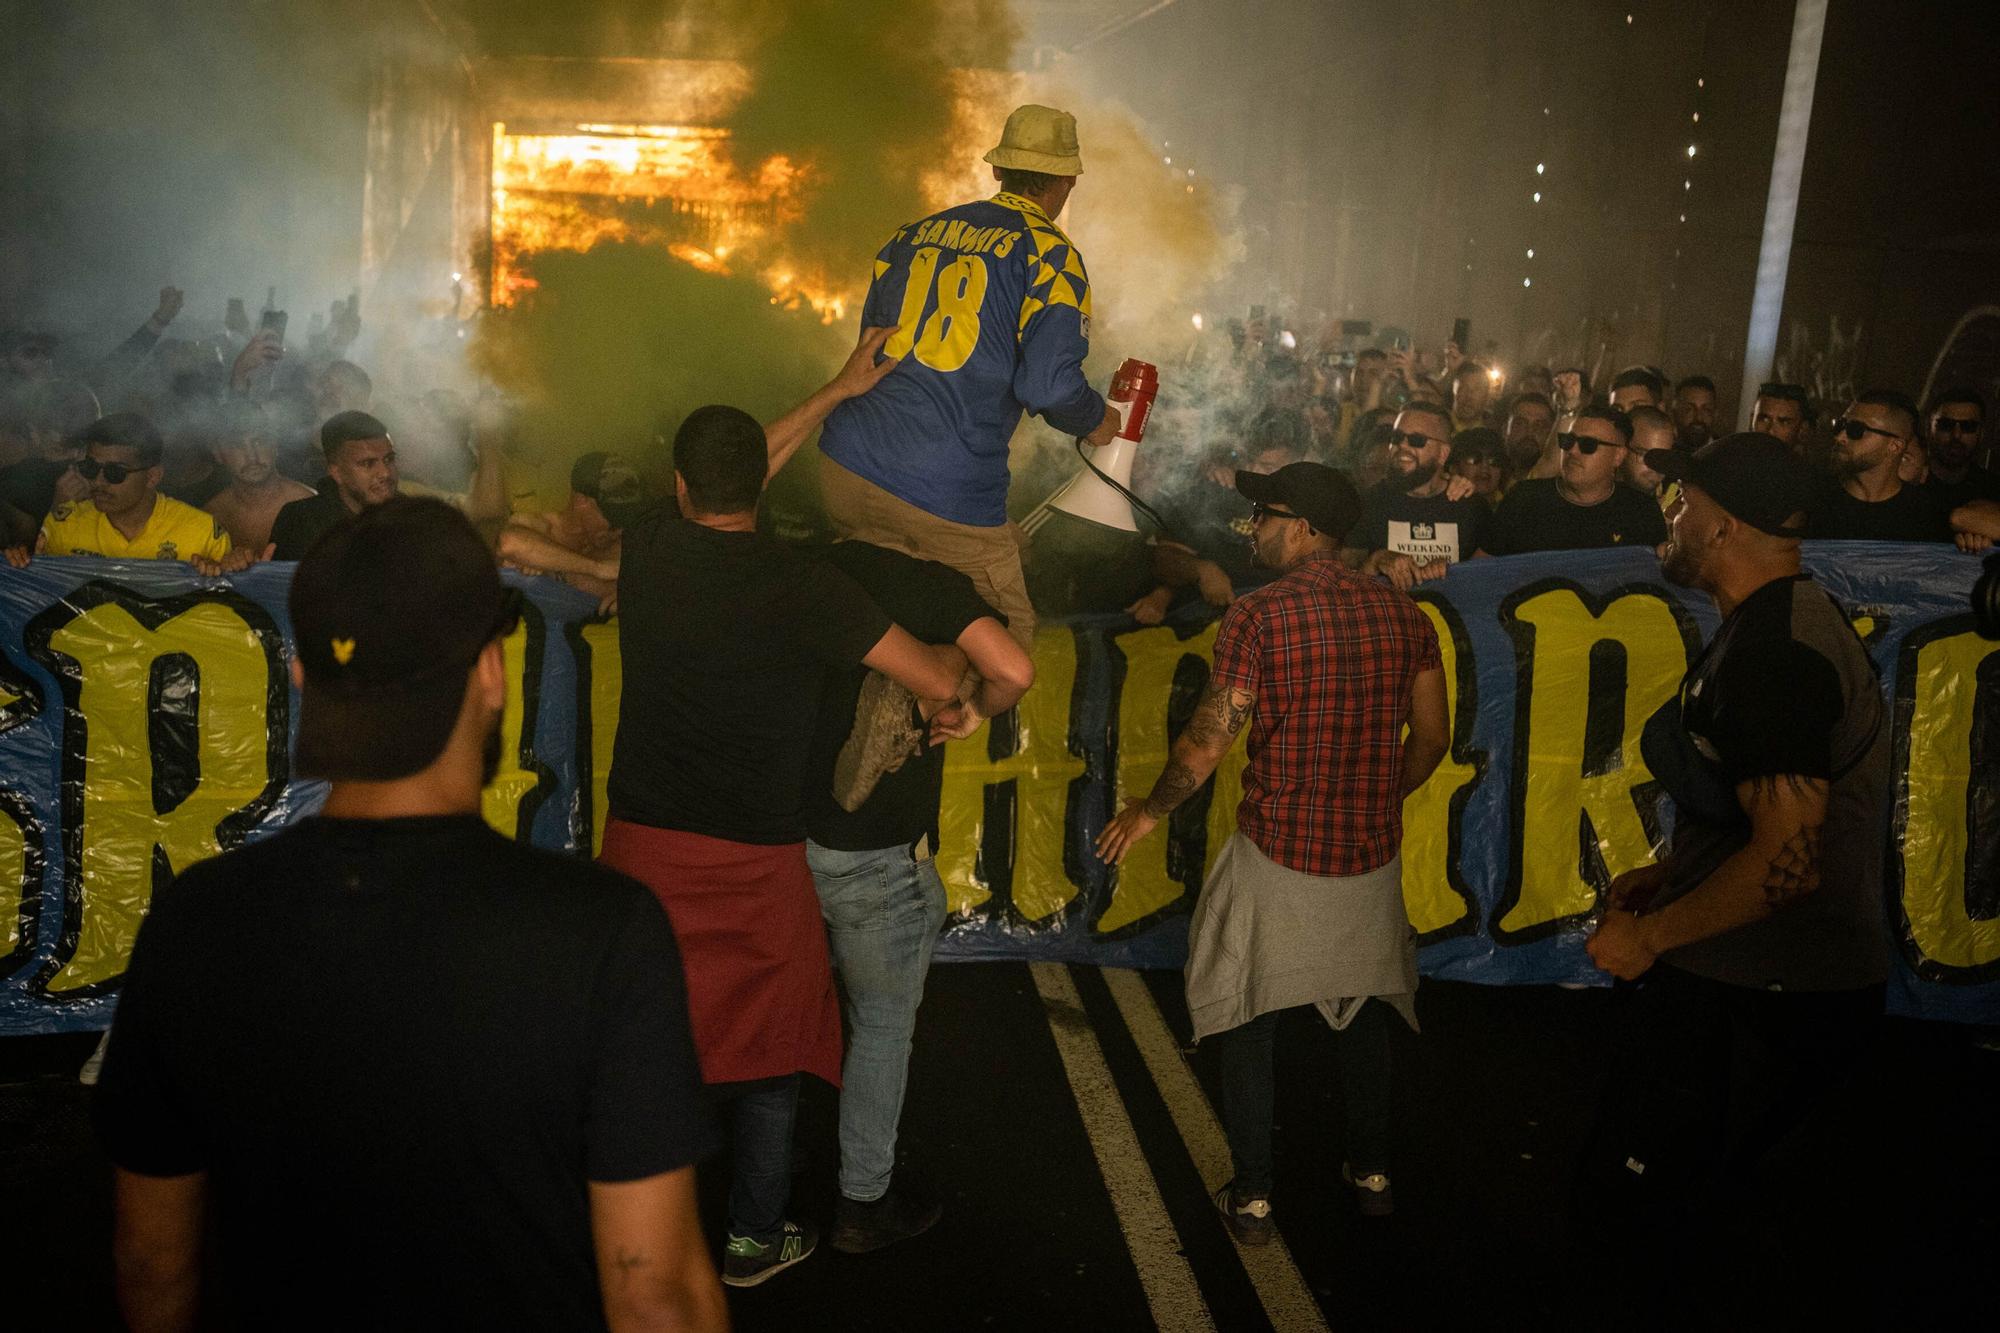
x=176, y=531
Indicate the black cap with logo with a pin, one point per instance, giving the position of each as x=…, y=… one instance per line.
x=1752, y=475
x=1315, y=492
x=390, y=609
x=614, y=483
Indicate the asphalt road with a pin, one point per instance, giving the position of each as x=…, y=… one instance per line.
x=1069, y=1129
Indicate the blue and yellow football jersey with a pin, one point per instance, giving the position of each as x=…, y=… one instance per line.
x=992, y=307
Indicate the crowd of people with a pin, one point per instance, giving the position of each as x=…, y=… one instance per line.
x=531, y=1054
x=1456, y=458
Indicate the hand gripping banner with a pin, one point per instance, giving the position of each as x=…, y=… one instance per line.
x=146, y=718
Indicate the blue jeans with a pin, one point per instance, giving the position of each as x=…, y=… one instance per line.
x=883, y=910
x=759, y=1114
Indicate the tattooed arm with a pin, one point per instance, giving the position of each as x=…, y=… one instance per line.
x=652, y=1264
x=1207, y=737
x=1779, y=867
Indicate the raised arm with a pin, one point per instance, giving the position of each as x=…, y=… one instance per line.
x=1218, y=716
x=861, y=373
x=652, y=1267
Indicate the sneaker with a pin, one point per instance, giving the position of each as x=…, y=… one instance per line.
x=898, y=1215
x=1371, y=1192
x=885, y=734
x=1249, y=1219
x=745, y=1262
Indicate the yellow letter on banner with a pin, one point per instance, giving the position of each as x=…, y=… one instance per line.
x=1432, y=891
x=1143, y=884
x=500, y=803
x=1946, y=676
x=1041, y=769
x=607, y=678
x=1558, y=807
x=20, y=874
x=121, y=830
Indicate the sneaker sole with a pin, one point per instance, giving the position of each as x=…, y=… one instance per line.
x=845, y=1243
x=763, y=1275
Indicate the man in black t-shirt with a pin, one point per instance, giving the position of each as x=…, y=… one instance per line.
x=1410, y=530
x=879, y=890
x=418, y=1074
x=1585, y=506
x=1865, y=499
x=1957, y=418
x=1761, y=933
x=724, y=635
x=360, y=471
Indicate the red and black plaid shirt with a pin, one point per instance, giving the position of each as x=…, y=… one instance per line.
x=1331, y=656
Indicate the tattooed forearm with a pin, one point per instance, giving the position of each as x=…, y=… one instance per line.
x=1218, y=716
x=1175, y=785
x=1793, y=871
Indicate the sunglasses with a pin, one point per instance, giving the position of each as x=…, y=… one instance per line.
x=1854, y=429
x=1583, y=444
x=113, y=473
x=1258, y=513
x=1413, y=438
x=1948, y=425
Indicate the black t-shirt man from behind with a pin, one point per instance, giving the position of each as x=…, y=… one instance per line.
x=724, y=635
x=1865, y=499
x=424, y=1076
x=878, y=884
x=361, y=471
x=1410, y=531
x=1585, y=505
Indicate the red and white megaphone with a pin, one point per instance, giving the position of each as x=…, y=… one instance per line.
x=1088, y=495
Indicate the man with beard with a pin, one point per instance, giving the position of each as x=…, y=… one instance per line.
x=1865, y=499
x=361, y=471
x=1760, y=936
x=450, y=1080
x=1304, y=905
x=1694, y=411
x=1784, y=412
x=1651, y=429
x=248, y=507
x=1585, y=506
x=1957, y=417
x=1410, y=530
x=1531, y=433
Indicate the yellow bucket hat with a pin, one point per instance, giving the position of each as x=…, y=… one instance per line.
x=1039, y=138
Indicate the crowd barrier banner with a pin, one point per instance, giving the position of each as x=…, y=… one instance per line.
x=146, y=719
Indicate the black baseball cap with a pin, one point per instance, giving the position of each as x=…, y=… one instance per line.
x=1315, y=492
x=1750, y=474
x=390, y=609
x=613, y=483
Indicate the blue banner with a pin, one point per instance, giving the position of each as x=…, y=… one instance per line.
x=146, y=718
